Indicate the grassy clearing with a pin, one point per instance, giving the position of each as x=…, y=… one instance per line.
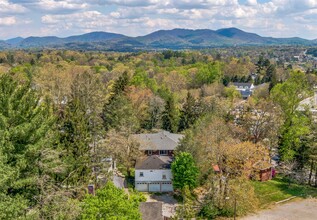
x=278, y=189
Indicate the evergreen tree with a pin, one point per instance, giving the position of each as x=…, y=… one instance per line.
x=26, y=134
x=81, y=126
x=189, y=114
x=75, y=138
x=170, y=115
x=117, y=111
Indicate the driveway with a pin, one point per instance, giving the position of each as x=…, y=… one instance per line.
x=169, y=204
x=295, y=210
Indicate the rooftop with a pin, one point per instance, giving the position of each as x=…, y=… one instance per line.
x=154, y=162
x=162, y=140
x=242, y=84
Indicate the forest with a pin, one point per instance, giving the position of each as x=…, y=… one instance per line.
x=62, y=112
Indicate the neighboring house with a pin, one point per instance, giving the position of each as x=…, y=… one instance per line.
x=160, y=143
x=245, y=89
x=153, y=174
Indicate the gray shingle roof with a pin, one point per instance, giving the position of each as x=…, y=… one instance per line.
x=154, y=162
x=162, y=140
x=242, y=84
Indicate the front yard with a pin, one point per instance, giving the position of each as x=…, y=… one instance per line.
x=279, y=189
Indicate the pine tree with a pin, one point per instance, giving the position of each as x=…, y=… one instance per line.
x=170, y=115
x=117, y=111
x=26, y=133
x=189, y=113
x=81, y=126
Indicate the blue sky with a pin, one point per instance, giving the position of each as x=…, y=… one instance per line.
x=276, y=18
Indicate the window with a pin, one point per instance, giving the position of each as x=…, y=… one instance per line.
x=163, y=152
x=164, y=177
x=149, y=152
x=141, y=174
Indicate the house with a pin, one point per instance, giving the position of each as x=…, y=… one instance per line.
x=245, y=89
x=161, y=143
x=153, y=174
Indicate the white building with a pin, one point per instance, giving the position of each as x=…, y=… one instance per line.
x=245, y=89
x=153, y=174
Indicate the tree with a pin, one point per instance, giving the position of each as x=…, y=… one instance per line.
x=118, y=110
x=261, y=120
x=122, y=147
x=189, y=113
x=29, y=161
x=232, y=94
x=81, y=126
x=184, y=171
x=296, y=123
x=170, y=115
x=111, y=203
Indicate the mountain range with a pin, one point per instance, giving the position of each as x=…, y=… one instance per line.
x=162, y=39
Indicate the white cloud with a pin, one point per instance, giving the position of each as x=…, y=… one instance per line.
x=7, y=21
x=252, y=2
x=277, y=18
x=130, y=3
x=8, y=7
x=52, y=5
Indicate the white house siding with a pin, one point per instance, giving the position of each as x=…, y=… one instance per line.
x=152, y=180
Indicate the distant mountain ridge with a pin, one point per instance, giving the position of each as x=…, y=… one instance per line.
x=162, y=39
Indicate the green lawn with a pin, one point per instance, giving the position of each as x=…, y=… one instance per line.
x=278, y=189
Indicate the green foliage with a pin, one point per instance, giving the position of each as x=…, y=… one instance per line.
x=189, y=113
x=297, y=124
x=209, y=211
x=25, y=125
x=111, y=203
x=142, y=79
x=232, y=93
x=290, y=93
x=170, y=115
x=184, y=171
x=208, y=73
x=118, y=111
x=75, y=138
x=28, y=161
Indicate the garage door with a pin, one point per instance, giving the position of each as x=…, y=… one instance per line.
x=154, y=187
x=167, y=187
x=142, y=187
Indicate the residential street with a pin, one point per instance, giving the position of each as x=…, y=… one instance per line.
x=296, y=210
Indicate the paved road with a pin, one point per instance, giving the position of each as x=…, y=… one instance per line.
x=295, y=210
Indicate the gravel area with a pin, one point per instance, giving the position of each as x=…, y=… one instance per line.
x=295, y=210
x=169, y=204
